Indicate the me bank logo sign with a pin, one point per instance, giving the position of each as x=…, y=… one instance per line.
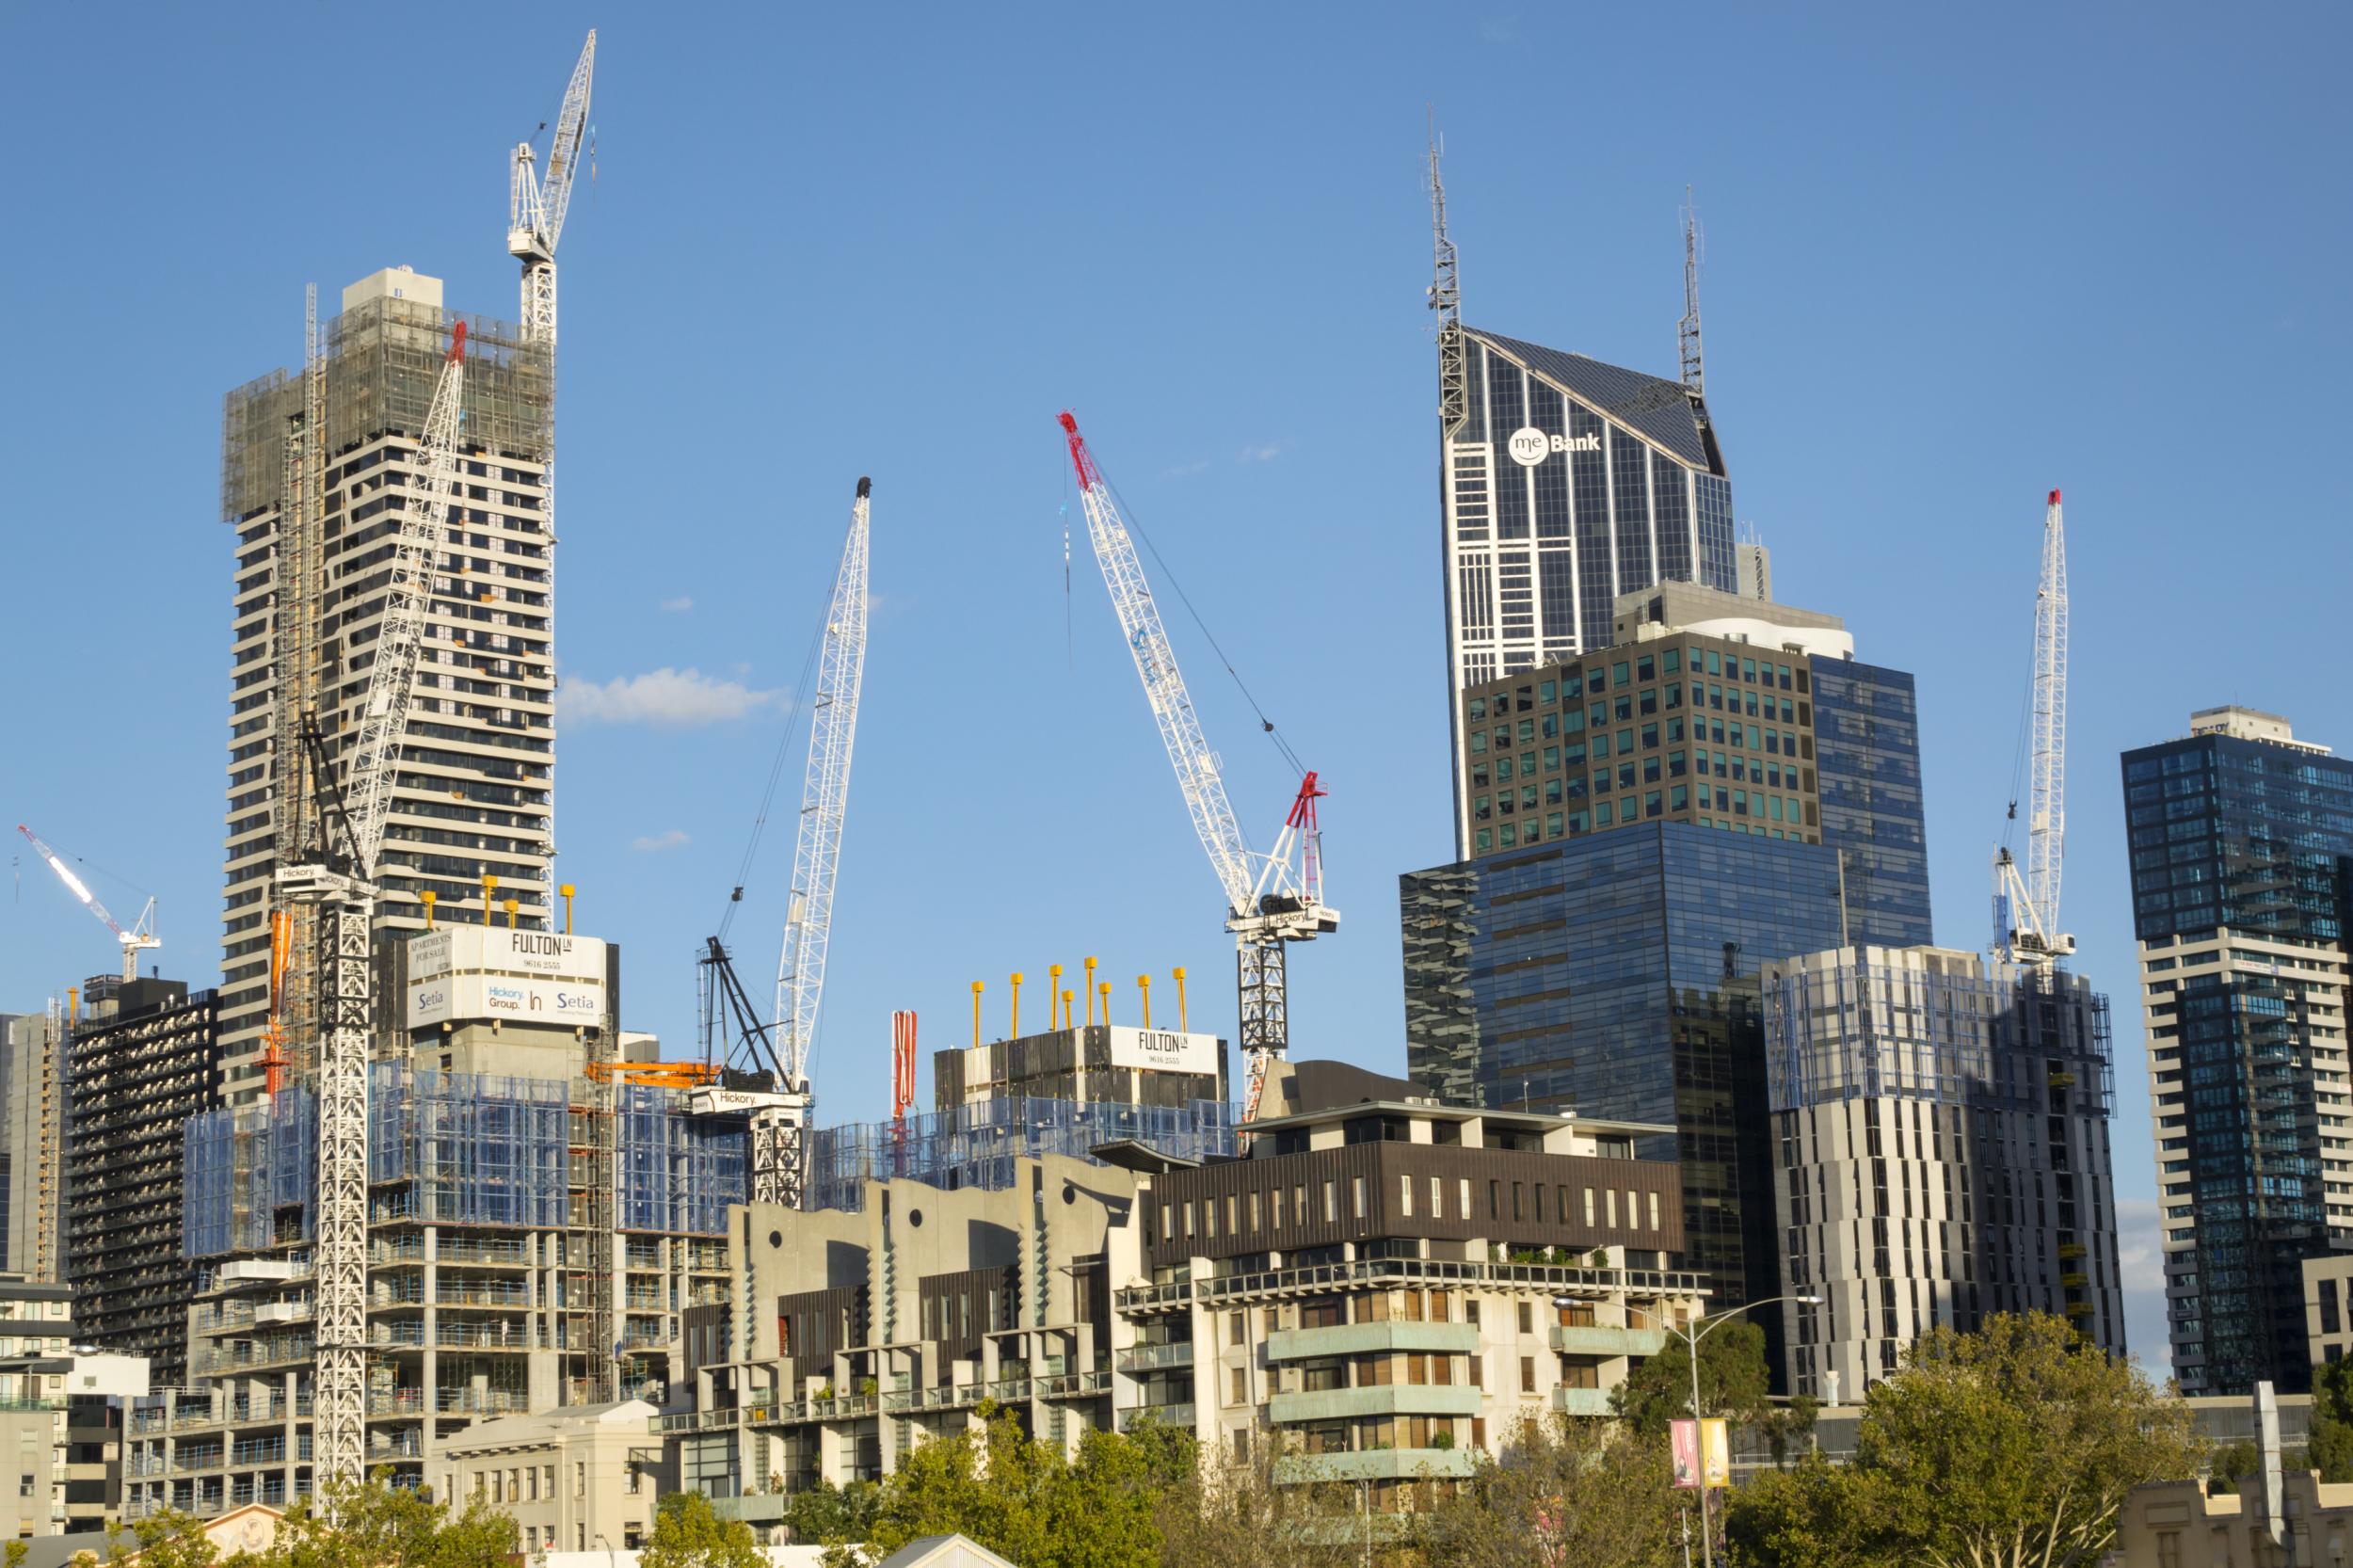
x=1529, y=447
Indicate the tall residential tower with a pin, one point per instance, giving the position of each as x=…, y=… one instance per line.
x=315, y=467
x=2242, y=847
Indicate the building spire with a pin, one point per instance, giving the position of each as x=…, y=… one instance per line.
x=1446, y=297
x=1694, y=379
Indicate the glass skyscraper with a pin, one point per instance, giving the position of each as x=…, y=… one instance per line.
x=1614, y=974
x=1567, y=483
x=2241, y=853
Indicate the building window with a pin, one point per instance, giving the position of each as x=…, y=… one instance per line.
x=1331, y=1202
x=1356, y=1196
x=1240, y=1389
x=1237, y=1329
x=1437, y=1198
x=1253, y=1212
x=1528, y=1374
x=1527, y=1317
x=1495, y=1200
x=1462, y=1192
x=1405, y=1197
x=1588, y=1206
x=1653, y=1212
x=1275, y=1202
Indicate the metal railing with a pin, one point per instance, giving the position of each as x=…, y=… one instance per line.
x=1382, y=1271
x=1137, y=1358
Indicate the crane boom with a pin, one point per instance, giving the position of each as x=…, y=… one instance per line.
x=2025, y=902
x=134, y=941
x=400, y=636
x=825, y=800
x=536, y=210
x=1199, y=775
x=1265, y=909
x=2047, y=825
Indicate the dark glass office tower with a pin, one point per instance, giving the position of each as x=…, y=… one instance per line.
x=1614, y=974
x=1866, y=755
x=2242, y=853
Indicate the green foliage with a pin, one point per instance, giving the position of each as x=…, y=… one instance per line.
x=2229, y=1465
x=1733, y=1381
x=829, y=1515
x=1022, y=1499
x=373, y=1524
x=2011, y=1447
x=688, y=1534
x=2331, y=1452
x=1565, y=1492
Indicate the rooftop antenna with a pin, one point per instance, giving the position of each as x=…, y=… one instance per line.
x=1688, y=331
x=1446, y=297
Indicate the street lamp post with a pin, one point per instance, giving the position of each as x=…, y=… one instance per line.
x=1692, y=1343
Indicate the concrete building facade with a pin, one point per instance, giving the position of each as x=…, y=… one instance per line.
x=62, y=1414
x=1941, y=1126
x=2241, y=839
x=32, y=1145
x=1381, y=1287
x=578, y=1479
x=314, y=510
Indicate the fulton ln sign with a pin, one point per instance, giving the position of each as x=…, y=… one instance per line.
x=1163, y=1050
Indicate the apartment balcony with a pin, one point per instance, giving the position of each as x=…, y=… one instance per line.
x=1180, y=1416
x=1580, y=1401
x=1607, y=1339
x=1376, y=1464
x=1143, y=1358
x=1300, y=1344
x=1380, y=1272
x=1395, y=1399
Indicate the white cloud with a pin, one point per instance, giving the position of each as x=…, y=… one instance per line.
x=1261, y=452
x=666, y=699
x=679, y=605
x=655, y=842
x=2140, y=1275
x=1185, y=471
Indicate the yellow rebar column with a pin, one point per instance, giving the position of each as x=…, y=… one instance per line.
x=1143, y=988
x=1107, y=1018
x=1053, y=997
x=1015, y=1033
x=976, y=1014
x=1184, y=1017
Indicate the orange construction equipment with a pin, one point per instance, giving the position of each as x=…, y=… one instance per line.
x=655, y=1075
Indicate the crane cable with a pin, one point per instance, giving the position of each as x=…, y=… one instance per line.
x=775, y=767
x=1265, y=725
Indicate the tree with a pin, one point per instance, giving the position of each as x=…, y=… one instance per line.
x=374, y=1524
x=1217, y=1509
x=165, y=1539
x=1733, y=1381
x=828, y=1515
x=688, y=1533
x=2009, y=1447
x=1565, y=1494
x=2331, y=1452
x=1022, y=1499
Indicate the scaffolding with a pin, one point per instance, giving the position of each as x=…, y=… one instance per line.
x=382, y=361
x=977, y=1145
x=465, y=1149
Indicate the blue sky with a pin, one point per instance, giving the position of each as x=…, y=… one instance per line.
x=1954, y=259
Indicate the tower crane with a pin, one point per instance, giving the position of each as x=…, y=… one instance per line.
x=778, y=1052
x=536, y=208
x=134, y=941
x=1268, y=903
x=339, y=880
x=2026, y=903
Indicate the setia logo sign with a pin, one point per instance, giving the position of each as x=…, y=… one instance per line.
x=1529, y=447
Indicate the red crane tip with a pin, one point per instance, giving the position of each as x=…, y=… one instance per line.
x=2054, y=499
x=458, y=342
x=1069, y=424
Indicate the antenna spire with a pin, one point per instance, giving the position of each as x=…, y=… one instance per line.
x=1694, y=379
x=1446, y=297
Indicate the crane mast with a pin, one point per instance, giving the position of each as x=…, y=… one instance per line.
x=2026, y=903
x=134, y=941
x=1268, y=906
x=340, y=881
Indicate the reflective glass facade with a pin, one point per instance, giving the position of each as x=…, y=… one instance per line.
x=2242, y=851
x=1615, y=975
x=1619, y=485
x=1867, y=753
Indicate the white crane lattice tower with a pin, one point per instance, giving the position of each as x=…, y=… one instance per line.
x=347, y=897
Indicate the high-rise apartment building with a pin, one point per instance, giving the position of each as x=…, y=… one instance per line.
x=317, y=467
x=1564, y=482
x=1941, y=1152
x=2242, y=857
x=143, y=1059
